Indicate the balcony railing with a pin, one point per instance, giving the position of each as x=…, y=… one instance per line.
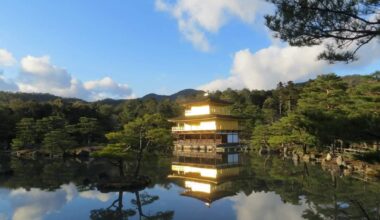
x=192, y=129
x=198, y=142
x=177, y=128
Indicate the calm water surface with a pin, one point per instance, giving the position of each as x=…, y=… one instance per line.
x=186, y=187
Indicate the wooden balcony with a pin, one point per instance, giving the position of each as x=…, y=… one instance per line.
x=198, y=142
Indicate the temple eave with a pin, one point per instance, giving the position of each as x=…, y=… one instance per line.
x=204, y=131
x=204, y=117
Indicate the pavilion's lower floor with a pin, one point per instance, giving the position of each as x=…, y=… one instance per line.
x=206, y=141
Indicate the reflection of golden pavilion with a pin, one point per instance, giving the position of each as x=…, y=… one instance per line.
x=207, y=126
x=207, y=177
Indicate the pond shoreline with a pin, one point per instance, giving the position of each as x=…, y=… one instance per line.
x=340, y=163
x=81, y=152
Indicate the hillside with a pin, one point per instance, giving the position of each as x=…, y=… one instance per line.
x=6, y=97
x=186, y=93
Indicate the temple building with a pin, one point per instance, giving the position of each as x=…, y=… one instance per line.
x=206, y=126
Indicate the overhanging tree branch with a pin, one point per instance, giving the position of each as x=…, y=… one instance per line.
x=312, y=22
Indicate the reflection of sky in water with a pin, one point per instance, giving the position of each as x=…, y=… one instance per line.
x=68, y=203
x=38, y=204
x=265, y=206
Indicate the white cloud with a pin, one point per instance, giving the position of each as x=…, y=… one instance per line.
x=106, y=87
x=196, y=18
x=6, y=58
x=265, y=68
x=39, y=75
x=39, y=72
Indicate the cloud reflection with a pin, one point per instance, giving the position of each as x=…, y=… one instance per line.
x=104, y=197
x=35, y=203
x=266, y=206
x=3, y=216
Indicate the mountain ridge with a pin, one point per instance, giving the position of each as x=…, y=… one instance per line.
x=6, y=97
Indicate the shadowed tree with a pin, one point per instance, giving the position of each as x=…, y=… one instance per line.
x=6, y=127
x=25, y=134
x=58, y=141
x=48, y=124
x=323, y=105
x=88, y=128
x=344, y=25
x=148, y=133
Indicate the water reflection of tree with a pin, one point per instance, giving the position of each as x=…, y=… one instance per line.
x=326, y=195
x=52, y=174
x=116, y=211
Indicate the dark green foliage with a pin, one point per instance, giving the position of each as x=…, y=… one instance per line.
x=47, y=124
x=370, y=157
x=149, y=133
x=318, y=113
x=85, y=122
x=7, y=126
x=139, y=107
x=26, y=135
x=88, y=128
x=58, y=141
x=346, y=25
x=331, y=111
x=110, y=214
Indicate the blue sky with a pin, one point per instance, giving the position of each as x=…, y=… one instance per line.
x=96, y=49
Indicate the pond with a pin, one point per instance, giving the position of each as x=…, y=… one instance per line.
x=188, y=186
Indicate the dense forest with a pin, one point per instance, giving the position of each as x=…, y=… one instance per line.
x=328, y=111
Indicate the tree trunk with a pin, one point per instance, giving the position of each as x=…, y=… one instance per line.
x=88, y=140
x=305, y=170
x=120, y=202
x=139, y=157
x=138, y=165
x=138, y=204
x=121, y=168
x=304, y=148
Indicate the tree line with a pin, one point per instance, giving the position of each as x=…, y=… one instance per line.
x=41, y=121
x=325, y=112
x=330, y=112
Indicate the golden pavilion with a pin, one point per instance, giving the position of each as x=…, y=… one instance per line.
x=206, y=126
